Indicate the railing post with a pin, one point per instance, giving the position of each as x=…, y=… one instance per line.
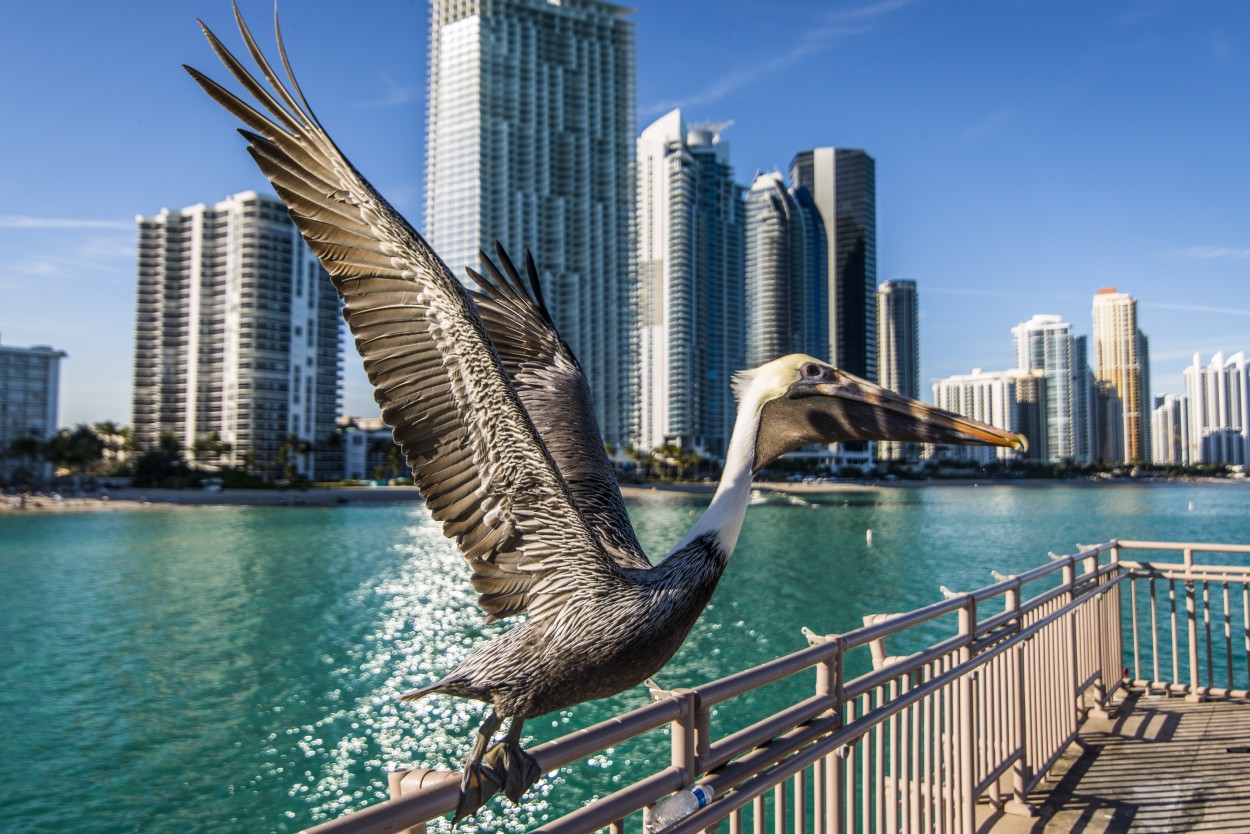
x=1196, y=692
x=685, y=735
x=1096, y=642
x=1069, y=580
x=394, y=788
x=1019, y=802
x=828, y=685
x=967, y=766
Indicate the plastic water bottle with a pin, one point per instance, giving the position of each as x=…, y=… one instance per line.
x=675, y=807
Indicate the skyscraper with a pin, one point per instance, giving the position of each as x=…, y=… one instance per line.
x=1219, y=409
x=236, y=333
x=529, y=142
x=786, y=287
x=1169, y=424
x=1014, y=400
x=1046, y=343
x=690, y=294
x=1122, y=362
x=842, y=185
x=30, y=387
x=898, y=360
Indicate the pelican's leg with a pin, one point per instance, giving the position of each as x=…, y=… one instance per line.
x=518, y=768
x=480, y=782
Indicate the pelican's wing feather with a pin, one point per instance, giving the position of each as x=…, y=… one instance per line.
x=555, y=393
x=477, y=460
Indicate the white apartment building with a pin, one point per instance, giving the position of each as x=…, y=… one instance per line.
x=1169, y=427
x=1014, y=400
x=530, y=142
x=236, y=332
x=30, y=385
x=1219, y=409
x=1046, y=343
x=690, y=262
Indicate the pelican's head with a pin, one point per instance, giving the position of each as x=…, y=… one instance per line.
x=801, y=400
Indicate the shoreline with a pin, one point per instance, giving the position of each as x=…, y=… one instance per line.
x=128, y=499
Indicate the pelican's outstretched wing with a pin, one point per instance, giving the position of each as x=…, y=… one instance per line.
x=482, y=469
x=553, y=388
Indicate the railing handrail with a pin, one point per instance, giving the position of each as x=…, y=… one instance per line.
x=813, y=729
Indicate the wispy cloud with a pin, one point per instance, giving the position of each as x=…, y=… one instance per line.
x=1008, y=294
x=17, y=221
x=393, y=93
x=832, y=27
x=1143, y=11
x=1223, y=48
x=1212, y=253
x=991, y=124
x=1194, y=308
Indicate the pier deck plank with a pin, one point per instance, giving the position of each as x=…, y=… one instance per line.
x=1158, y=765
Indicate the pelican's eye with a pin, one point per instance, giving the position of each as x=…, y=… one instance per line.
x=812, y=371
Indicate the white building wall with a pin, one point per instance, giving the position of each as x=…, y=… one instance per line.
x=988, y=396
x=1219, y=409
x=1046, y=343
x=237, y=333
x=1169, y=425
x=30, y=385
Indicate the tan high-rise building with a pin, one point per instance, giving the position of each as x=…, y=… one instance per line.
x=1122, y=369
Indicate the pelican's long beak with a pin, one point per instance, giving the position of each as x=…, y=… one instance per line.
x=854, y=409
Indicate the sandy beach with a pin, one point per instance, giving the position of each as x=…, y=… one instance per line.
x=146, y=499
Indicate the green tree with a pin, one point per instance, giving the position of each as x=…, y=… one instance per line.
x=210, y=446
x=162, y=466
x=79, y=450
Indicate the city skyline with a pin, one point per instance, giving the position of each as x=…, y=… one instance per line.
x=1025, y=157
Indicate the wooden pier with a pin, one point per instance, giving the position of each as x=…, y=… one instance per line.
x=1157, y=764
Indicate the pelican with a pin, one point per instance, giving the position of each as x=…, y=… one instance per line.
x=493, y=414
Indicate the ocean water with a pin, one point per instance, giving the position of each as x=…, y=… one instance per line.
x=235, y=669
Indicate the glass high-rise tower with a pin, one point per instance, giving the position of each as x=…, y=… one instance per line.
x=842, y=184
x=690, y=294
x=530, y=142
x=785, y=273
x=898, y=359
x=1046, y=343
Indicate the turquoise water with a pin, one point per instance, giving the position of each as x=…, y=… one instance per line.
x=234, y=669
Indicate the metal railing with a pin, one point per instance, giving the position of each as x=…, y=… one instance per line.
x=1202, y=665
x=915, y=743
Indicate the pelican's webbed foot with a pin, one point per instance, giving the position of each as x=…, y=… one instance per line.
x=479, y=784
x=480, y=781
x=518, y=768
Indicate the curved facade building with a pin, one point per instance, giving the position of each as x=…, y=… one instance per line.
x=786, y=289
x=690, y=287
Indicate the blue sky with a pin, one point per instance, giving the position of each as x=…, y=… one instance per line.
x=1028, y=153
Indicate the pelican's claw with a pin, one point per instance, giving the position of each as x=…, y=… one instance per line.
x=519, y=769
x=479, y=784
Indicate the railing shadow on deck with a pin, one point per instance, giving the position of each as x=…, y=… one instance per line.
x=916, y=743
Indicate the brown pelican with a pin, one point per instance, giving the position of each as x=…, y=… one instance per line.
x=493, y=414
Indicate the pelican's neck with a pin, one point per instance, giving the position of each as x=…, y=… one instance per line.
x=723, y=517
